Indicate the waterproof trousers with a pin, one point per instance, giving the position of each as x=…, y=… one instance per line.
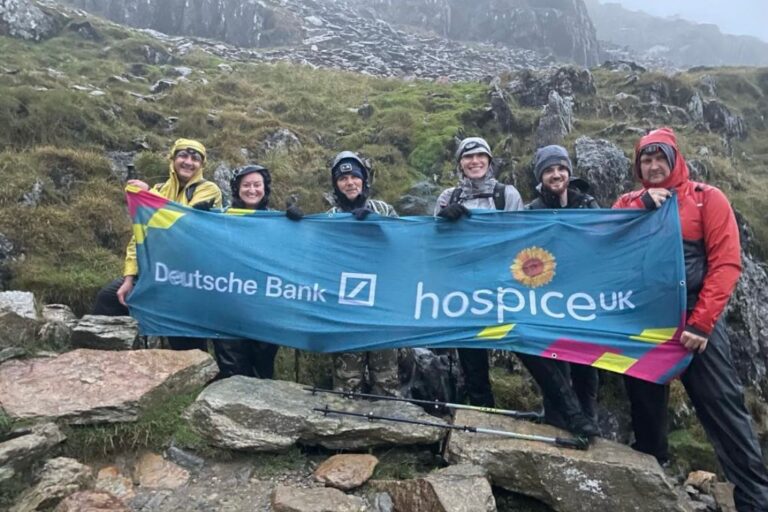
x=381, y=367
x=717, y=396
x=569, y=391
x=476, y=368
x=245, y=357
x=107, y=304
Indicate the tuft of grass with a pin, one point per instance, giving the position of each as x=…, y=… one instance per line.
x=403, y=464
x=266, y=465
x=159, y=422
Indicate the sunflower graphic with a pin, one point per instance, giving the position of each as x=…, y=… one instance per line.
x=533, y=267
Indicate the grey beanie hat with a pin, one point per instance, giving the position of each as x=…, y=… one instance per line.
x=549, y=156
x=655, y=147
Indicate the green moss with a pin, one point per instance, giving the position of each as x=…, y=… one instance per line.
x=690, y=451
x=405, y=464
x=514, y=391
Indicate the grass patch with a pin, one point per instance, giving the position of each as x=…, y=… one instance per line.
x=159, y=422
x=266, y=465
x=401, y=463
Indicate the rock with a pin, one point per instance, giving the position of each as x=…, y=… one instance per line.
x=346, y=471
x=222, y=176
x=747, y=322
x=184, y=458
x=501, y=110
x=605, y=167
x=720, y=119
x=556, y=122
x=608, y=476
x=19, y=318
x=182, y=71
x=95, y=386
x=85, y=30
x=701, y=480
x=59, y=478
x=34, y=197
x=59, y=313
x=91, y=501
x=11, y=353
x=23, y=451
x=111, y=480
x=24, y=20
x=162, y=85
x=106, y=332
x=382, y=502
x=242, y=413
x=723, y=494
x=280, y=140
x=419, y=199
x=365, y=110
x=460, y=488
x=532, y=87
x=225, y=68
x=294, y=499
x=154, y=472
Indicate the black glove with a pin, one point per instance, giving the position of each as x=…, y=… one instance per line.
x=454, y=212
x=204, y=205
x=293, y=212
x=360, y=213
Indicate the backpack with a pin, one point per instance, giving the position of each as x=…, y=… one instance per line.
x=499, y=198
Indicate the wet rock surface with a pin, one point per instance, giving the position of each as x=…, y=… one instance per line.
x=92, y=386
x=106, y=332
x=242, y=413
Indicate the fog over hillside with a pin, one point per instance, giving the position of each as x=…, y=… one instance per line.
x=737, y=17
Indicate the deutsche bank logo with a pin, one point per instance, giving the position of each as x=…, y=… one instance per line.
x=357, y=289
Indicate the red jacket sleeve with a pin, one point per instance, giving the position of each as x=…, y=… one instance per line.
x=721, y=240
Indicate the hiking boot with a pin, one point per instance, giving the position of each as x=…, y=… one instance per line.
x=581, y=425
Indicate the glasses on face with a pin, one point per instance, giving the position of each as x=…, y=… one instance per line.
x=189, y=153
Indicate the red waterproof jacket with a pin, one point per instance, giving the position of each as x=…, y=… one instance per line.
x=710, y=236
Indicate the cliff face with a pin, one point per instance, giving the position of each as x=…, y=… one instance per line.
x=243, y=23
x=562, y=27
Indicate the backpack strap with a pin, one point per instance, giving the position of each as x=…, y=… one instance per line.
x=455, y=196
x=499, y=196
x=189, y=192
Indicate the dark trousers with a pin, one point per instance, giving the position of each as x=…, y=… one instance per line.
x=107, y=304
x=476, y=368
x=245, y=357
x=567, y=389
x=716, y=393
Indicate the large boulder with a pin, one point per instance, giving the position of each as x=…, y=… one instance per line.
x=325, y=499
x=243, y=413
x=531, y=88
x=25, y=20
x=459, y=488
x=606, y=168
x=96, y=386
x=608, y=476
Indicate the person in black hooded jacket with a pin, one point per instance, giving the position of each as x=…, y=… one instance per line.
x=251, y=186
x=558, y=189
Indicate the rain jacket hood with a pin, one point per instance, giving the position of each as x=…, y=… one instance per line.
x=678, y=174
x=172, y=187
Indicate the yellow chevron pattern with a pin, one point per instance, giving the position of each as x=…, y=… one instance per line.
x=614, y=362
x=495, y=332
x=164, y=219
x=656, y=336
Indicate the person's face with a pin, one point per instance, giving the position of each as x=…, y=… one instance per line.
x=654, y=168
x=186, y=163
x=475, y=166
x=251, y=189
x=350, y=185
x=555, y=179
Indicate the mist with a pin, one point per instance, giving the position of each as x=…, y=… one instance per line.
x=738, y=17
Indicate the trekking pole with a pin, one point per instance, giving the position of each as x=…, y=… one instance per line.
x=521, y=415
x=577, y=443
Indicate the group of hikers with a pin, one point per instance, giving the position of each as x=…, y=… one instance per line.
x=712, y=261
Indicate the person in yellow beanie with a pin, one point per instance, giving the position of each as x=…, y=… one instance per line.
x=185, y=185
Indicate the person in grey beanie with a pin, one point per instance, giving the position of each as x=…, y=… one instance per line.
x=556, y=188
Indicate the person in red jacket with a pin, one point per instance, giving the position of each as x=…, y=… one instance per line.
x=713, y=265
